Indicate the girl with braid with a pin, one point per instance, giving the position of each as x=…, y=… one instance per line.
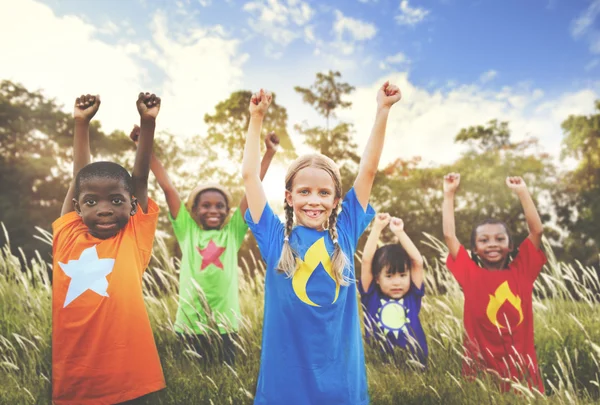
x=312, y=351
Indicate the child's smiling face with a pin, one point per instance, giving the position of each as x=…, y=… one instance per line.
x=394, y=285
x=104, y=205
x=312, y=197
x=492, y=245
x=211, y=209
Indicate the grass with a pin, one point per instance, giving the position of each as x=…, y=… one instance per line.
x=567, y=337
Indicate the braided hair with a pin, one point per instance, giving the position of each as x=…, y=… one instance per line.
x=339, y=261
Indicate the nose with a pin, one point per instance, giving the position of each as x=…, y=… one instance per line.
x=104, y=210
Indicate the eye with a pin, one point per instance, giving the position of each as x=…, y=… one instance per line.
x=220, y=206
x=303, y=192
x=325, y=192
x=117, y=201
x=90, y=202
x=206, y=205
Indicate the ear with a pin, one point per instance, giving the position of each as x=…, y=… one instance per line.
x=134, y=206
x=288, y=197
x=76, y=206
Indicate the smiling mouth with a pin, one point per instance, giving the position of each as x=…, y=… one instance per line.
x=313, y=213
x=213, y=220
x=107, y=227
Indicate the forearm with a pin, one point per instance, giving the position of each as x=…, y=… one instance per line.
x=81, y=146
x=410, y=248
x=448, y=225
x=265, y=163
x=371, y=245
x=250, y=162
x=371, y=156
x=534, y=223
x=141, y=167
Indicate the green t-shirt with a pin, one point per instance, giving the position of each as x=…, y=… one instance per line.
x=209, y=259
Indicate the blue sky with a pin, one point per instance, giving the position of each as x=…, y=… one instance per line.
x=458, y=62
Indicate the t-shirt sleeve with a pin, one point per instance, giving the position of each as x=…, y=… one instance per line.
x=353, y=219
x=62, y=230
x=268, y=232
x=369, y=292
x=416, y=295
x=144, y=228
x=237, y=227
x=529, y=260
x=181, y=224
x=461, y=266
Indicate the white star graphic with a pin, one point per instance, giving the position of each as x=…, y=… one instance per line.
x=87, y=273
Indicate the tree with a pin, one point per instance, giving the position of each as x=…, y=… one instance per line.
x=36, y=141
x=228, y=125
x=577, y=197
x=325, y=95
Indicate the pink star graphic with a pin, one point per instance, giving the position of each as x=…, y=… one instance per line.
x=210, y=255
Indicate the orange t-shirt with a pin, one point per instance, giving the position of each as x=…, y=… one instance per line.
x=103, y=350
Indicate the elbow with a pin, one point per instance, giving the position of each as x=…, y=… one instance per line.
x=418, y=263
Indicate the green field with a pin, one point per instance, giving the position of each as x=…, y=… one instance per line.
x=567, y=337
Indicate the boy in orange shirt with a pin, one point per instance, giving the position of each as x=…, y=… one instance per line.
x=103, y=350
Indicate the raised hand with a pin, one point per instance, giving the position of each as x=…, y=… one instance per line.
x=451, y=182
x=135, y=134
x=388, y=95
x=381, y=221
x=272, y=141
x=396, y=225
x=86, y=106
x=516, y=184
x=260, y=102
x=148, y=105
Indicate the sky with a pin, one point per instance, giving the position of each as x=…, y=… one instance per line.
x=458, y=63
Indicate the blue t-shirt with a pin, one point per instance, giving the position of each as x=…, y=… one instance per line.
x=397, y=320
x=312, y=350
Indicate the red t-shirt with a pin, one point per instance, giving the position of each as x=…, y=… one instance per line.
x=498, y=315
x=103, y=350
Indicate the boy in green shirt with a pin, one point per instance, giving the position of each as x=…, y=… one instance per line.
x=208, y=279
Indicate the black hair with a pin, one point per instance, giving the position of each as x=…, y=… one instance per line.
x=107, y=170
x=197, y=199
x=490, y=221
x=392, y=255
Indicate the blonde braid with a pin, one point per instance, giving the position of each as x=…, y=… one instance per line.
x=338, y=260
x=287, y=261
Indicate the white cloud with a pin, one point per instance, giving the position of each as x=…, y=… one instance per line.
x=411, y=16
x=425, y=122
x=488, y=76
x=356, y=29
x=64, y=57
x=205, y=3
x=583, y=26
x=397, y=59
x=281, y=22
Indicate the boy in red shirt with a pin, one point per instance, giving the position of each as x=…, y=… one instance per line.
x=103, y=350
x=498, y=311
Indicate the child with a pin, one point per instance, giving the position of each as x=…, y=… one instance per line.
x=209, y=257
x=103, y=350
x=312, y=349
x=393, y=302
x=498, y=313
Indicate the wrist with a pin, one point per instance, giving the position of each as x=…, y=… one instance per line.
x=257, y=115
x=147, y=120
x=81, y=121
x=449, y=195
x=383, y=109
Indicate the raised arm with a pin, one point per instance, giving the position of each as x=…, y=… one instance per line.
x=148, y=106
x=416, y=270
x=272, y=144
x=451, y=182
x=366, y=273
x=255, y=194
x=85, y=109
x=164, y=181
x=387, y=96
x=534, y=223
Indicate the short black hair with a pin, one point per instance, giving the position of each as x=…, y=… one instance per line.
x=490, y=221
x=107, y=170
x=392, y=255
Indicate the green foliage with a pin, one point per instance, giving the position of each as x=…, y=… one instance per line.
x=567, y=337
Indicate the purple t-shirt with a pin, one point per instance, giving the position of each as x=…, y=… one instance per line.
x=397, y=320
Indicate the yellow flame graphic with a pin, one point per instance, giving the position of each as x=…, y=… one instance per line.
x=503, y=294
x=315, y=254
